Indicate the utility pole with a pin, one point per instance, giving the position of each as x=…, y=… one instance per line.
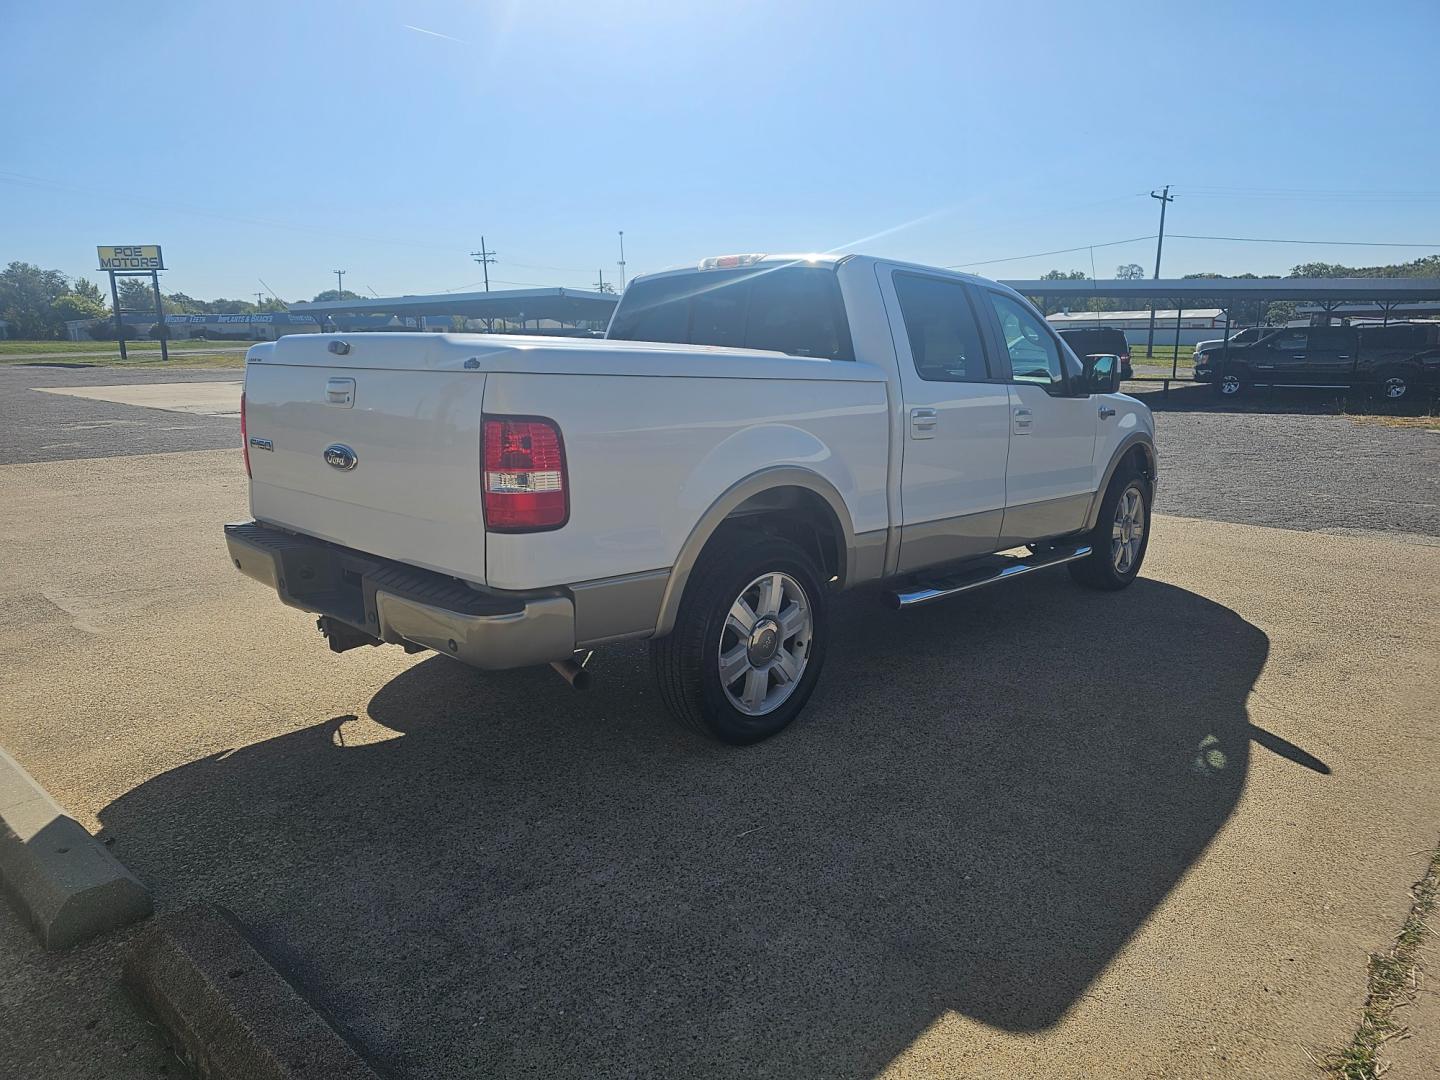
x=259, y=297
x=622, y=260
x=340, y=283
x=484, y=257
x=1165, y=198
x=600, y=283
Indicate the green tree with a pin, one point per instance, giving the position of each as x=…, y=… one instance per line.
x=1130, y=272
x=137, y=295
x=71, y=306
x=27, y=300
x=335, y=294
x=222, y=306
x=88, y=289
x=1048, y=305
x=1426, y=266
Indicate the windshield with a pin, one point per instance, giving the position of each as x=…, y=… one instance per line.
x=789, y=309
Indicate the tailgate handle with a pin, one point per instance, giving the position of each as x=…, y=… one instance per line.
x=340, y=392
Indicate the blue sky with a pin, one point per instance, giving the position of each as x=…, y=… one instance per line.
x=283, y=140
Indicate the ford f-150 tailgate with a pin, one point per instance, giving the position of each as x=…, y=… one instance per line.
x=370, y=441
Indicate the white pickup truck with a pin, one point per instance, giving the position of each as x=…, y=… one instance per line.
x=754, y=434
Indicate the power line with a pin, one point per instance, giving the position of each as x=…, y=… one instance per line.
x=1058, y=251
x=1321, y=243
x=272, y=293
x=539, y=266
x=1323, y=193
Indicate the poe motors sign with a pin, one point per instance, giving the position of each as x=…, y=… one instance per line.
x=131, y=257
x=135, y=260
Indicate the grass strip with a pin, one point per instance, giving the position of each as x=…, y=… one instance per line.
x=1392, y=983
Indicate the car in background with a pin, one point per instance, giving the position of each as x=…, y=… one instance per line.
x=1248, y=336
x=1100, y=341
x=1395, y=361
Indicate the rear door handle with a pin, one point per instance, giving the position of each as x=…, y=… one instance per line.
x=1106, y=412
x=923, y=423
x=1023, y=418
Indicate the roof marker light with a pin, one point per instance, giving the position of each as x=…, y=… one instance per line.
x=729, y=262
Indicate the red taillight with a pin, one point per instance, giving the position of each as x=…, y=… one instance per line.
x=244, y=436
x=524, y=487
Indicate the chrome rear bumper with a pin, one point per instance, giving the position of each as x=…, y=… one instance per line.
x=395, y=603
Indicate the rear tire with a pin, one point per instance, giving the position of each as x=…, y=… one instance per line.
x=1396, y=384
x=748, y=643
x=1121, y=535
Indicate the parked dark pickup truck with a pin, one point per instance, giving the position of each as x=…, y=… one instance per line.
x=1398, y=361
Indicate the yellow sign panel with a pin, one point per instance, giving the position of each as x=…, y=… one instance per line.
x=131, y=257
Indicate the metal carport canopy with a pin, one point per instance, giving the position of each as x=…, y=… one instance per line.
x=1320, y=289
x=561, y=305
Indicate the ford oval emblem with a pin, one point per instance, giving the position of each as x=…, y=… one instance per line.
x=340, y=457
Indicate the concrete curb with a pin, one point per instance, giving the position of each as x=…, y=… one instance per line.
x=62, y=881
x=228, y=1012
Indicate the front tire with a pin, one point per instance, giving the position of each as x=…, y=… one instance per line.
x=748, y=643
x=1120, y=538
x=1229, y=384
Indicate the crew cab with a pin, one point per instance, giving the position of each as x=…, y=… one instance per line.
x=1394, y=361
x=754, y=435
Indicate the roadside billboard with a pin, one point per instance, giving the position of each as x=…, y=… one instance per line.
x=124, y=257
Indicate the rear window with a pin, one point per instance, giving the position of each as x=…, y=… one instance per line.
x=1393, y=337
x=789, y=309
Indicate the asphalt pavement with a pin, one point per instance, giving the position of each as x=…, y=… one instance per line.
x=37, y=426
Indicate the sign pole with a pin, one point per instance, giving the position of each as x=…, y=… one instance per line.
x=160, y=319
x=119, y=318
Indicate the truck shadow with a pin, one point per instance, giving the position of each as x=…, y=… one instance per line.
x=984, y=801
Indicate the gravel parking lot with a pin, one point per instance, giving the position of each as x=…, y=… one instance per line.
x=1282, y=461
x=1004, y=841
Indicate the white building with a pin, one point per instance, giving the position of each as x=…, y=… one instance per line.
x=1197, y=325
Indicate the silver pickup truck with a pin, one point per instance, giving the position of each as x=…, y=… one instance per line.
x=755, y=434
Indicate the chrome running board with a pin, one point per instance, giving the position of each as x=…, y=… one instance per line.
x=985, y=571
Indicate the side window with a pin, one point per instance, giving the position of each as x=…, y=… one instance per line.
x=942, y=328
x=1393, y=337
x=1292, y=341
x=1034, y=355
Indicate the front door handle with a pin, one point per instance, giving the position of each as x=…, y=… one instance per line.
x=1106, y=412
x=1023, y=417
x=923, y=423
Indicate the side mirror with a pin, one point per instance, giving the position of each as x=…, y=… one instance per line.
x=1102, y=373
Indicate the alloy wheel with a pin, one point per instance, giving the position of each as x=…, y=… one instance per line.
x=765, y=644
x=1128, y=531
